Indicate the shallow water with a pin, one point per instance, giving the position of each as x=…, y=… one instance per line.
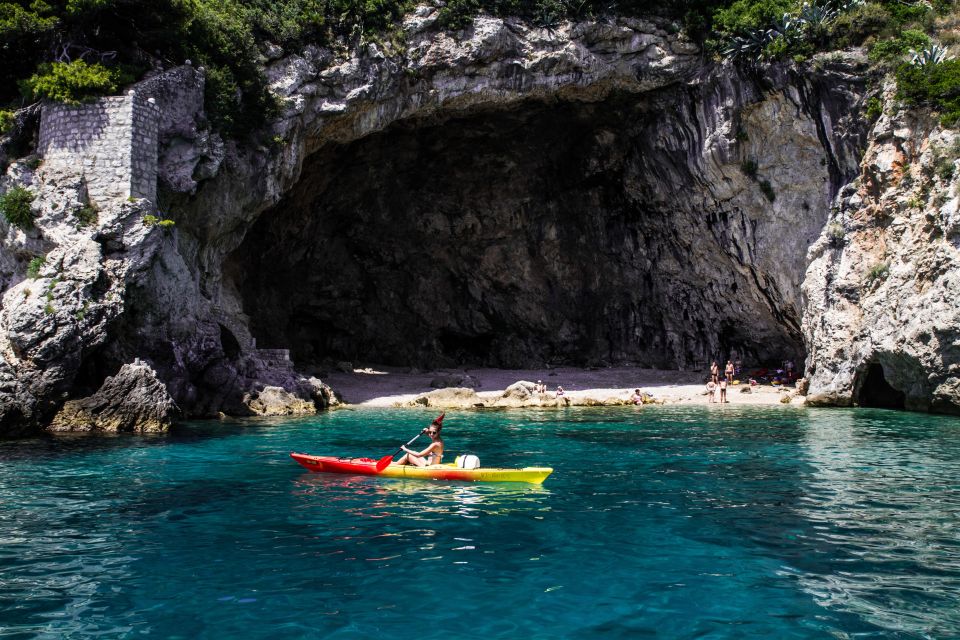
x=681, y=522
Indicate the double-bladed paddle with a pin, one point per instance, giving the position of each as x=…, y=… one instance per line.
x=385, y=461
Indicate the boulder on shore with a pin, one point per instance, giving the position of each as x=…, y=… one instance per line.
x=134, y=400
x=449, y=398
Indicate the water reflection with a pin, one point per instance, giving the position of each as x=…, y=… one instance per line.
x=885, y=515
x=367, y=497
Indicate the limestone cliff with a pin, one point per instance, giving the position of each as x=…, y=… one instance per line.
x=883, y=321
x=505, y=195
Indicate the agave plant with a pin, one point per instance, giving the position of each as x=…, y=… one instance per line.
x=788, y=27
x=934, y=54
x=816, y=15
x=749, y=45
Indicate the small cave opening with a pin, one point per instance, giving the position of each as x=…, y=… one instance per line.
x=229, y=343
x=560, y=232
x=874, y=390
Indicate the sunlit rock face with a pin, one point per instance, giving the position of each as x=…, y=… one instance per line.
x=503, y=195
x=883, y=320
x=663, y=228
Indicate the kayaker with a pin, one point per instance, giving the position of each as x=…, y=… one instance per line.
x=433, y=454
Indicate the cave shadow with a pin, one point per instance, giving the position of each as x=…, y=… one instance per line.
x=873, y=390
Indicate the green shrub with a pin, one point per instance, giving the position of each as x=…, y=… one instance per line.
x=768, y=191
x=15, y=205
x=836, y=235
x=87, y=215
x=33, y=269
x=156, y=221
x=777, y=49
x=457, y=14
x=895, y=48
x=944, y=161
x=936, y=86
x=874, y=108
x=878, y=271
x=747, y=15
x=854, y=26
x=70, y=82
x=7, y=118
x=904, y=12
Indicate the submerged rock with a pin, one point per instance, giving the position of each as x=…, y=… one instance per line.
x=134, y=400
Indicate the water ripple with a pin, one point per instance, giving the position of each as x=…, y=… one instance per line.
x=680, y=522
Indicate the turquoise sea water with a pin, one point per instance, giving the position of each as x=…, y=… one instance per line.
x=663, y=522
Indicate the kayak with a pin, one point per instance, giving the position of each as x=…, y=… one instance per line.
x=368, y=467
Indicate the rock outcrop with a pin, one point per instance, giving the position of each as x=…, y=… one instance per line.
x=504, y=195
x=134, y=400
x=883, y=315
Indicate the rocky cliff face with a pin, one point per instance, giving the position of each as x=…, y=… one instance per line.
x=882, y=322
x=520, y=196
x=505, y=195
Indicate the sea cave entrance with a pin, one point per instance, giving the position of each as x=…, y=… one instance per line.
x=567, y=232
x=874, y=391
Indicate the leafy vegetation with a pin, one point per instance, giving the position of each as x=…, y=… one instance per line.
x=73, y=50
x=898, y=46
x=874, y=108
x=87, y=215
x=879, y=271
x=945, y=159
x=836, y=235
x=15, y=205
x=33, y=268
x=70, y=82
x=6, y=120
x=156, y=221
x=767, y=190
x=936, y=86
x=755, y=30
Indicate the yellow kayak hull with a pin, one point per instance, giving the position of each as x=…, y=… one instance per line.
x=368, y=467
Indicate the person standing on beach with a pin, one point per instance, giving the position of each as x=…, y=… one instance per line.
x=712, y=390
x=714, y=372
x=728, y=371
x=723, y=390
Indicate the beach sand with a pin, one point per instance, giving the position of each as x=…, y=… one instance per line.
x=381, y=386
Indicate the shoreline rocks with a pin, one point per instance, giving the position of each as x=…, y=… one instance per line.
x=133, y=401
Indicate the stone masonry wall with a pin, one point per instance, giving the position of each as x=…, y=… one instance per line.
x=113, y=142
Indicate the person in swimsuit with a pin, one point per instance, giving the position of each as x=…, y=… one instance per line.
x=433, y=454
x=728, y=371
x=714, y=372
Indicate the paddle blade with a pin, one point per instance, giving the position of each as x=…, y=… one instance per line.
x=384, y=462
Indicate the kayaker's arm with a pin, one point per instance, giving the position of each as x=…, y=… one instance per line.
x=423, y=453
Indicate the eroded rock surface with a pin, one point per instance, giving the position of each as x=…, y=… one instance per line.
x=134, y=400
x=502, y=195
x=883, y=315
